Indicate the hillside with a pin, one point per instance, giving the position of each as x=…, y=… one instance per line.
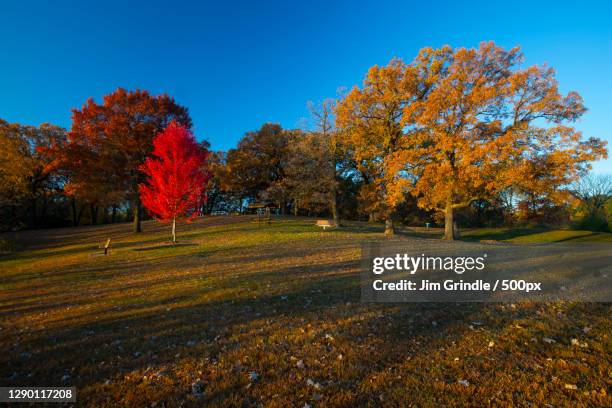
x=271, y=315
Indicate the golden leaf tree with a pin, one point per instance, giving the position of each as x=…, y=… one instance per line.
x=27, y=167
x=370, y=120
x=15, y=165
x=468, y=124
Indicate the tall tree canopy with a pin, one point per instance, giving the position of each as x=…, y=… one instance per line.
x=109, y=142
x=593, y=190
x=458, y=125
x=257, y=166
x=15, y=166
x=370, y=120
x=27, y=167
x=310, y=177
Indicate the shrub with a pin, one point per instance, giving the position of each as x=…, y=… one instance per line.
x=594, y=223
x=6, y=246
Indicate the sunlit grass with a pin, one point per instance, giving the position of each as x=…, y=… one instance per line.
x=527, y=235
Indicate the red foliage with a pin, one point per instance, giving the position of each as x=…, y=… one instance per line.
x=176, y=177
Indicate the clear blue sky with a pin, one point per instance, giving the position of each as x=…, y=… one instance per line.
x=236, y=65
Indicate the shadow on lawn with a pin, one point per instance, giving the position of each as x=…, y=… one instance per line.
x=164, y=245
x=378, y=341
x=500, y=235
x=146, y=336
x=222, y=325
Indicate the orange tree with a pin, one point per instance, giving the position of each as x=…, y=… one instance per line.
x=109, y=142
x=472, y=124
x=370, y=121
x=28, y=163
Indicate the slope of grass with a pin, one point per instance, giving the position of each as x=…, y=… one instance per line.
x=534, y=235
x=271, y=316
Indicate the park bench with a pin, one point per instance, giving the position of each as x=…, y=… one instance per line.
x=324, y=224
x=106, y=246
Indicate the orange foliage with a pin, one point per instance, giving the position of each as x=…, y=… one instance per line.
x=108, y=143
x=457, y=125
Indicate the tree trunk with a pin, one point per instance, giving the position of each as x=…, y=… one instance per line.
x=93, y=211
x=174, y=230
x=114, y=214
x=80, y=214
x=13, y=216
x=34, y=211
x=334, y=209
x=137, y=215
x=295, y=207
x=43, y=212
x=74, y=212
x=389, y=229
x=449, y=222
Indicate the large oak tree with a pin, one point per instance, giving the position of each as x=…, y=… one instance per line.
x=459, y=125
x=370, y=122
x=488, y=124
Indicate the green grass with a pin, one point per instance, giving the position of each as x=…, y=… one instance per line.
x=531, y=235
x=144, y=323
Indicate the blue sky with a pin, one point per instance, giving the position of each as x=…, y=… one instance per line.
x=236, y=65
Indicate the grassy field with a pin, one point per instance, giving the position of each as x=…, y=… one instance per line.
x=246, y=315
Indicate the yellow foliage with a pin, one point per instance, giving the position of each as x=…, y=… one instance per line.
x=458, y=125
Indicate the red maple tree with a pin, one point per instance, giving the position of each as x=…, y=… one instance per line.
x=176, y=176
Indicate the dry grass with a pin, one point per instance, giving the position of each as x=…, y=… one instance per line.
x=141, y=325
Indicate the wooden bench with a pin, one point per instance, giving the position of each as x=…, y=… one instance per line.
x=325, y=224
x=106, y=246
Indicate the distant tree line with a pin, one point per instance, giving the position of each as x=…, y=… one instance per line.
x=457, y=136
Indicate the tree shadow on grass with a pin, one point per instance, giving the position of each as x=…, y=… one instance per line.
x=311, y=313
x=150, y=335
x=241, y=313
x=499, y=235
x=579, y=238
x=164, y=245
